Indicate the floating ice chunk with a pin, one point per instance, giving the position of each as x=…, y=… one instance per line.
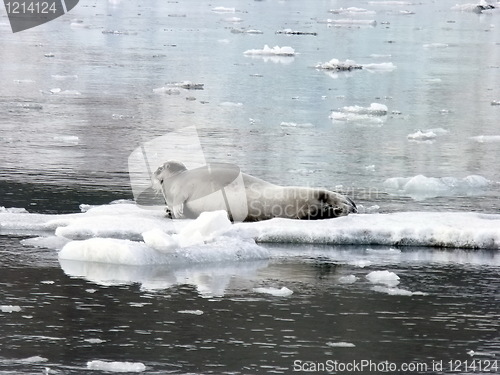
x=116, y=366
x=59, y=77
x=59, y=91
x=205, y=228
x=375, y=109
x=350, y=279
x=380, y=67
x=167, y=90
x=337, y=65
x=420, y=135
x=352, y=11
x=481, y=7
x=233, y=19
x=246, y=31
x=396, y=291
x=286, y=124
x=275, y=51
x=383, y=277
x=10, y=308
x=192, y=312
x=340, y=344
x=422, y=187
x=223, y=10
x=159, y=240
x=231, y=104
x=495, y=102
x=294, y=32
x=349, y=22
x=51, y=242
x=23, y=81
x=436, y=45
x=283, y=292
x=34, y=359
x=94, y=341
x=110, y=250
x=486, y=138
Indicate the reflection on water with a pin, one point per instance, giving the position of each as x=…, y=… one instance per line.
x=81, y=93
x=211, y=318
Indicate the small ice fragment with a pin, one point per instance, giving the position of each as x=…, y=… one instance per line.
x=50, y=54
x=116, y=366
x=283, y=292
x=167, y=90
x=223, y=10
x=392, y=291
x=94, y=341
x=340, y=344
x=193, y=312
x=276, y=50
x=34, y=359
x=383, y=277
x=337, y=65
x=350, y=279
x=10, y=308
x=422, y=135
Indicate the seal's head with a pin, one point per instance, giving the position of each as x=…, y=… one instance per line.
x=168, y=169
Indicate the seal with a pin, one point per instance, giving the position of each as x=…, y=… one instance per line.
x=222, y=186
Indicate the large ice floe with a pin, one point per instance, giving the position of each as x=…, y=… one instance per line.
x=125, y=234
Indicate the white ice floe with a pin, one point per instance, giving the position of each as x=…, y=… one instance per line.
x=422, y=187
x=282, y=292
x=337, y=65
x=393, y=291
x=274, y=51
x=167, y=90
x=374, y=114
x=9, y=308
x=352, y=11
x=435, y=229
x=483, y=6
x=436, y=45
x=349, y=279
x=192, y=312
x=295, y=32
x=127, y=222
x=486, y=138
x=349, y=22
x=223, y=10
x=116, y=366
x=350, y=65
x=59, y=91
x=420, y=135
x=380, y=67
x=340, y=344
x=383, y=277
x=200, y=240
x=375, y=109
x=59, y=77
x=34, y=359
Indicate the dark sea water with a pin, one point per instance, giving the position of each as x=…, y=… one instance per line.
x=81, y=93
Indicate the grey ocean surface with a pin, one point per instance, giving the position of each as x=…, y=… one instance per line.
x=81, y=93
